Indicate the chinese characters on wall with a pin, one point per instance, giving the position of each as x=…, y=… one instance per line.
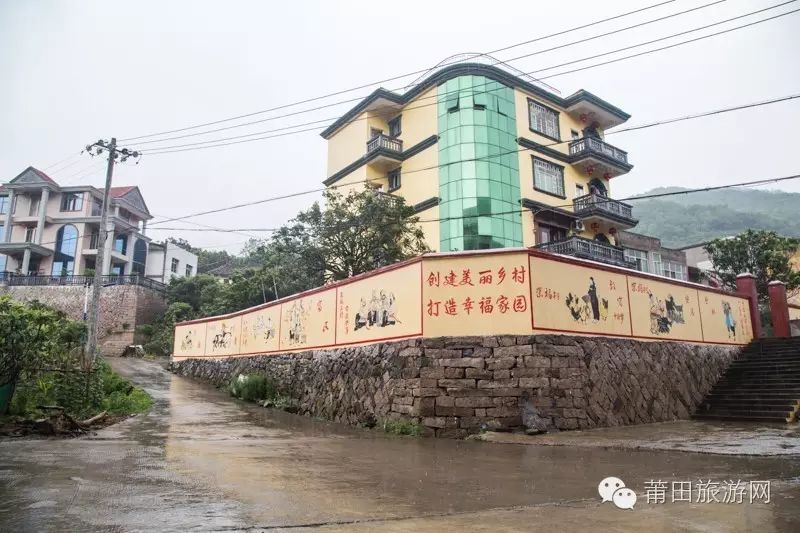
x=503, y=293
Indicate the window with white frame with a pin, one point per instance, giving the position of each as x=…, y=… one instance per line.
x=639, y=257
x=673, y=269
x=189, y=270
x=579, y=191
x=175, y=264
x=548, y=177
x=543, y=120
x=5, y=205
x=30, y=235
x=656, y=257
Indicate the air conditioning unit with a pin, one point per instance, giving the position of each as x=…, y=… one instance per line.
x=578, y=225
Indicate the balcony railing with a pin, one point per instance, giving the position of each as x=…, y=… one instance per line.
x=384, y=142
x=591, y=202
x=41, y=281
x=587, y=145
x=588, y=249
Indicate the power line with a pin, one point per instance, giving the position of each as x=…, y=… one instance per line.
x=673, y=45
x=62, y=161
x=631, y=128
x=634, y=198
x=665, y=38
x=393, y=78
x=212, y=228
x=439, y=95
x=764, y=181
x=197, y=145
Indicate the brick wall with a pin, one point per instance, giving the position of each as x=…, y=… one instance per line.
x=453, y=386
x=122, y=308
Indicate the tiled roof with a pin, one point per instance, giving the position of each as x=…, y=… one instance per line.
x=44, y=176
x=118, y=192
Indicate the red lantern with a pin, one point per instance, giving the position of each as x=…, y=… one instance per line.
x=584, y=118
x=590, y=170
x=607, y=176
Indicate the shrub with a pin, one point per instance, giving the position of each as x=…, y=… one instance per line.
x=120, y=403
x=81, y=394
x=253, y=388
x=401, y=426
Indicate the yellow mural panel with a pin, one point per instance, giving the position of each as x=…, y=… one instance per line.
x=726, y=318
x=309, y=321
x=476, y=295
x=794, y=313
x=578, y=299
x=664, y=310
x=260, y=330
x=190, y=340
x=222, y=336
x=384, y=306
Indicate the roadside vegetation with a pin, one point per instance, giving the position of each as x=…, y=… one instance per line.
x=766, y=255
x=46, y=385
x=261, y=390
x=401, y=426
x=347, y=236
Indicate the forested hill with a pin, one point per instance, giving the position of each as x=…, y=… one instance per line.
x=692, y=218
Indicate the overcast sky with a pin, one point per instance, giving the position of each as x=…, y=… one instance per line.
x=77, y=71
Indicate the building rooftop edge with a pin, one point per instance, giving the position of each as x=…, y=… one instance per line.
x=467, y=69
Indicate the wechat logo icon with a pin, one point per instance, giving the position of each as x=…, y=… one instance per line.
x=613, y=489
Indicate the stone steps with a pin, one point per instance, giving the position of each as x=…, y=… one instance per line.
x=741, y=418
x=763, y=385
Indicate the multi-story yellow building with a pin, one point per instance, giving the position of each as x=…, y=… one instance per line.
x=489, y=159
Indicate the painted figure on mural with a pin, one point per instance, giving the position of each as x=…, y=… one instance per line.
x=593, y=299
x=590, y=306
x=730, y=322
x=187, y=343
x=381, y=311
x=372, y=314
x=297, y=317
x=263, y=328
x=664, y=314
x=224, y=338
x=674, y=311
x=361, y=316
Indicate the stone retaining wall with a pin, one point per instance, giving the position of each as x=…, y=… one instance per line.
x=453, y=386
x=122, y=308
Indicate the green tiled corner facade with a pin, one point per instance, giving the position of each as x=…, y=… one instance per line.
x=478, y=165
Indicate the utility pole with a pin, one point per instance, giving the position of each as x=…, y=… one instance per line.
x=93, y=315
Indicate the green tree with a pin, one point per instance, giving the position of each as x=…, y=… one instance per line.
x=203, y=293
x=765, y=254
x=362, y=231
x=33, y=336
x=182, y=243
x=353, y=234
x=160, y=333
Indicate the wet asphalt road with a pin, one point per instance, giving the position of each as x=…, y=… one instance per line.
x=200, y=461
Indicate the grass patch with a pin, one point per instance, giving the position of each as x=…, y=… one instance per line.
x=253, y=388
x=263, y=391
x=401, y=426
